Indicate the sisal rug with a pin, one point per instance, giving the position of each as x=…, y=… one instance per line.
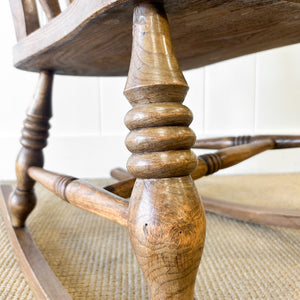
x=93, y=259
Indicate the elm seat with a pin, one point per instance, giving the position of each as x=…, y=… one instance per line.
x=95, y=39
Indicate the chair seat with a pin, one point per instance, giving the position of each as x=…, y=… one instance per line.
x=95, y=39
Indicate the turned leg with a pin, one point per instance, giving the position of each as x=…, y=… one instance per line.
x=33, y=140
x=166, y=217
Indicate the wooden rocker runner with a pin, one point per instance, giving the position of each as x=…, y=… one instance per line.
x=165, y=216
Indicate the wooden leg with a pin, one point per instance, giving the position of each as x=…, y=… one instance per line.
x=34, y=139
x=166, y=217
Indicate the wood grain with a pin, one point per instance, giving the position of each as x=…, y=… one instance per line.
x=96, y=38
x=167, y=232
x=155, y=77
x=41, y=279
x=158, y=114
x=34, y=139
x=83, y=195
x=207, y=165
x=166, y=218
x=160, y=139
x=248, y=213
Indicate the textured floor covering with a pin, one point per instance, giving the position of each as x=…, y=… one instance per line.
x=93, y=259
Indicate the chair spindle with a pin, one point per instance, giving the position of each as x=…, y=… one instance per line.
x=25, y=17
x=280, y=141
x=51, y=8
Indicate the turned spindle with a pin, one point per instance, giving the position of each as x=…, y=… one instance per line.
x=166, y=217
x=83, y=195
x=50, y=7
x=33, y=140
x=280, y=141
x=35, y=130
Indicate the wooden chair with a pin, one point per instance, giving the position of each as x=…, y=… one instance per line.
x=165, y=216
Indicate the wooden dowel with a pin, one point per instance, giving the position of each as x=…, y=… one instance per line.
x=51, y=8
x=122, y=188
x=83, y=195
x=211, y=163
x=120, y=174
x=25, y=17
x=207, y=164
x=280, y=141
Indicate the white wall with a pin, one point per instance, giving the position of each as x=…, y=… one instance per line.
x=255, y=94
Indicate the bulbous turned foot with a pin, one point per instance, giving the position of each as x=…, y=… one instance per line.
x=167, y=231
x=21, y=203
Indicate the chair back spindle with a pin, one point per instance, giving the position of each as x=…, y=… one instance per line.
x=51, y=8
x=25, y=17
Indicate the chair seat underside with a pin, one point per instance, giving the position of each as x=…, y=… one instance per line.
x=95, y=39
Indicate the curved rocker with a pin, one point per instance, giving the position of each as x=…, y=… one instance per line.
x=43, y=281
x=253, y=213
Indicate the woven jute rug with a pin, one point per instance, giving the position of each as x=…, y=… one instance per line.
x=93, y=258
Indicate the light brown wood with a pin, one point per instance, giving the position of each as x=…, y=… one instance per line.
x=149, y=165
x=83, y=195
x=35, y=131
x=247, y=213
x=120, y=174
x=166, y=217
x=160, y=139
x=25, y=17
x=207, y=165
x=211, y=163
x=122, y=188
x=167, y=232
x=96, y=38
x=158, y=114
x=280, y=141
x=39, y=276
x=254, y=214
x=34, y=139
